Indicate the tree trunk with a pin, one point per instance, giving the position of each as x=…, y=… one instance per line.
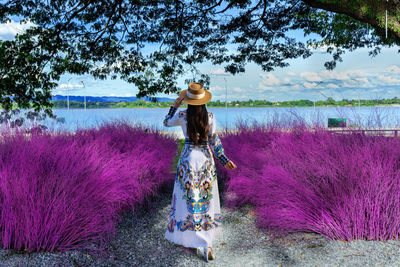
x=372, y=12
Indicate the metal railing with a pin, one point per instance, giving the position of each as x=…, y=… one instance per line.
x=389, y=132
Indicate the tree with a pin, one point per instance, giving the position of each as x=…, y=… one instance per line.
x=109, y=38
x=330, y=101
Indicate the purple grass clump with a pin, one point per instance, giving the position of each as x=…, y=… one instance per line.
x=62, y=191
x=342, y=186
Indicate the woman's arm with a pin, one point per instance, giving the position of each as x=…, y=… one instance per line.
x=216, y=144
x=172, y=118
x=219, y=152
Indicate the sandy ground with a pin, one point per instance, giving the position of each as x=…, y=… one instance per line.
x=140, y=242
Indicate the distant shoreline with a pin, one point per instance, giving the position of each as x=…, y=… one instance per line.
x=277, y=106
x=127, y=103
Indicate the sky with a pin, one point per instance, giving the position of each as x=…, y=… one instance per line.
x=359, y=76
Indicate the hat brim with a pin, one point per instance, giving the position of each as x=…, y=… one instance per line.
x=207, y=97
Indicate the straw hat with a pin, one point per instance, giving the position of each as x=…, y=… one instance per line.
x=195, y=94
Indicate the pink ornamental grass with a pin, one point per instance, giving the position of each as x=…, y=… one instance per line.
x=64, y=191
x=343, y=186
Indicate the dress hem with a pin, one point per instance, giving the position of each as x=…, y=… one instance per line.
x=216, y=235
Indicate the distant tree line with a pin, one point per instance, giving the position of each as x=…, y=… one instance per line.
x=248, y=103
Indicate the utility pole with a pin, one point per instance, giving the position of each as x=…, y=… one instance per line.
x=226, y=94
x=84, y=96
x=315, y=85
x=226, y=104
x=68, y=93
x=359, y=101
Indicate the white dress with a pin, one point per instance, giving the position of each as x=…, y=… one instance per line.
x=195, y=214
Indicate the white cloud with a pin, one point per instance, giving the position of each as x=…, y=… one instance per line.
x=8, y=30
x=221, y=91
x=358, y=73
x=311, y=76
x=310, y=85
x=321, y=48
x=268, y=80
x=216, y=88
x=332, y=85
x=393, y=68
x=334, y=75
x=70, y=85
x=335, y=79
x=387, y=80
x=219, y=72
x=360, y=82
x=348, y=84
x=235, y=95
x=264, y=87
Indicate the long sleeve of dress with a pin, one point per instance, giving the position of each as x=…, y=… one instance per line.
x=172, y=118
x=216, y=144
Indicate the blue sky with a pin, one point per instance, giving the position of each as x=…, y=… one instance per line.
x=358, y=76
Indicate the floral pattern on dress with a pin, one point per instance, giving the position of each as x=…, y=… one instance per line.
x=172, y=221
x=182, y=115
x=195, y=203
x=196, y=185
x=198, y=222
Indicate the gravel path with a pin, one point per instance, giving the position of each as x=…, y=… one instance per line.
x=140, y=242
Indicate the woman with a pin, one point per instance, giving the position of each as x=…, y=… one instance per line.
x=195, y=216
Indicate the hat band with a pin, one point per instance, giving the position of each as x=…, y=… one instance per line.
x=193, y=96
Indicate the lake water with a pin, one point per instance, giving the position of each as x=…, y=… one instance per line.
x=228, y=117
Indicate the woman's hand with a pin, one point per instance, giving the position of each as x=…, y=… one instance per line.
x=230, y=165
x=178, y=101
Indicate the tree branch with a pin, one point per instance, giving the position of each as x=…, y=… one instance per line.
x=114, y=8
x=368, y=11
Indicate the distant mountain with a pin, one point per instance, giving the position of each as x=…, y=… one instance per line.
x=106, y=98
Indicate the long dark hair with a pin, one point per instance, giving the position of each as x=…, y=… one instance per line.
x=197, y=123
